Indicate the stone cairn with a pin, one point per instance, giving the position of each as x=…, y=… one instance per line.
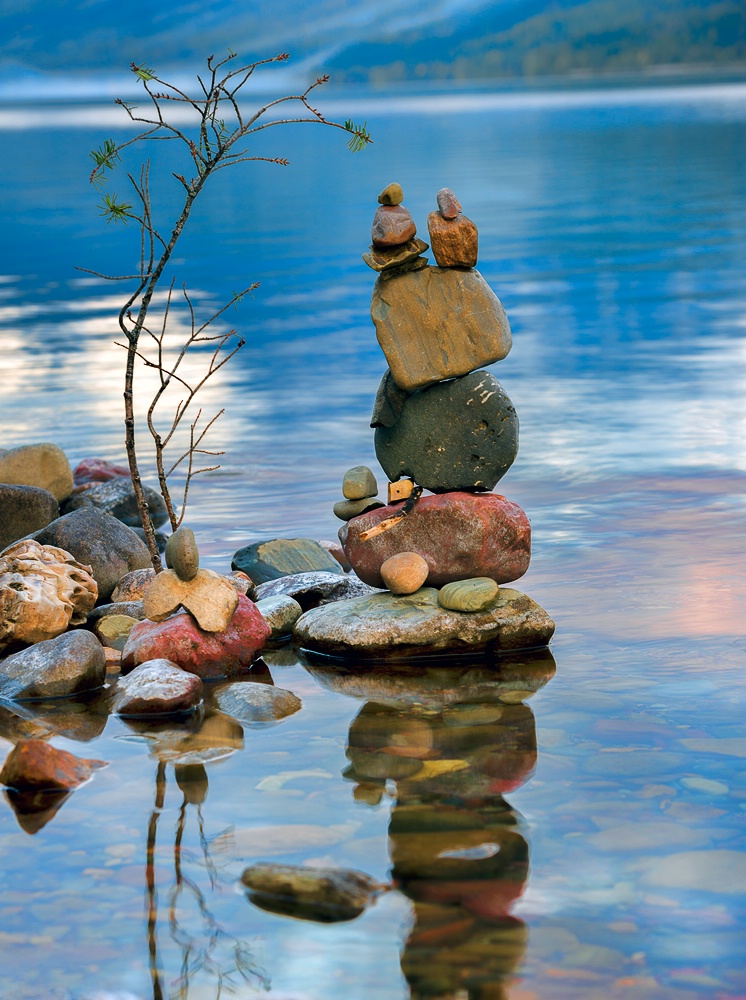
x=443, y=425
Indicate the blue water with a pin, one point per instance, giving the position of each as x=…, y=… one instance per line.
x=613, y=227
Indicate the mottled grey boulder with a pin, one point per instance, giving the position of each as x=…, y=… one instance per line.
x=24, y=509
x=251, y=703
x=100, y=541
x=279, y=557
x=157, y=687
x=457, y=435
x=311, y=590
x=133, y=609
x=280, y=613
x=117, y=497
x=56, y=668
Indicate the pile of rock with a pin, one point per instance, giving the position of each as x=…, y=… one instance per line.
x=444, y=425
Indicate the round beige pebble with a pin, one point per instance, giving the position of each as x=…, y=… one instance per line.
x=468, y=595
x=405, y=572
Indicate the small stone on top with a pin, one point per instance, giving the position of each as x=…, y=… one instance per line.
x=448, y=204
x=359, y=482
x=392, y=194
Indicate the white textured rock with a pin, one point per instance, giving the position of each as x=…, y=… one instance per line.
x=157, y=687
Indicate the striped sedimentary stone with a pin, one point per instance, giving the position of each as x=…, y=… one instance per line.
x=468, y=595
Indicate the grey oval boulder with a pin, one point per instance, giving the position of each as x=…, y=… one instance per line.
x=24, y=509
x=117, y=497
x=100, y=541
x=157, y=687
x=56, y=668
x=311, y=590
x=42, y=465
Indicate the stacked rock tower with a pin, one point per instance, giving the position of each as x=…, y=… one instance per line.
x=443, y=426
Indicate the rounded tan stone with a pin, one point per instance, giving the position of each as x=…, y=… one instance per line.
x=42, y=465
x=405, y=572
x=114, y=630
x=359, y=483
x=392, y=194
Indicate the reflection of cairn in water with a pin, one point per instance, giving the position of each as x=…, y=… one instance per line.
x=457, y=849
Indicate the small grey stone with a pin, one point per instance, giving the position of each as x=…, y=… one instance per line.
x=100, y=541
x=182, y=554
x=24, y=509
x=311, y=590
x=132, y=608
x=56, y=668
x=347, y=509
x=117, y=497
x=252, y=703
x=280, y=613
x=358, y=483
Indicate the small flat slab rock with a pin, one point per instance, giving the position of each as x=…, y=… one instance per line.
x=251, y=703
x=43, y=465
x=461, y=434
x=460, y=535
x=326, y=895
x=311, y=590
x=34, y=764
x=157, y=687
x=24, y=509
x=278, y=557
x=455, y=242
x=345, y=510
x=280, y=613
x=387, y=258
x=206, y=654
x=208, y=596
x=387, y=626
x=56, y=668
x=100, y=541
x=117, y=497
x=438, y=323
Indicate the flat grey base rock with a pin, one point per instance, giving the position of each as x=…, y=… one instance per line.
x=384, y=626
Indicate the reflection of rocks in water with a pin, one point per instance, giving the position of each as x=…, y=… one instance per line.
x=34, y=810
x=81, y=719
x=510, y=679
x=325, y=895
x=192, y=781
x=198, y=740
x=464, y=750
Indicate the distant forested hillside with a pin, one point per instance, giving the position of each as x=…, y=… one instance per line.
x=612, y=36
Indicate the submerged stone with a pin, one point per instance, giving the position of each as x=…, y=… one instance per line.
x=157, y=687
x=387, y=626
x=311, y=590
x=256, y=703
x=67, y=665
x=326, y=895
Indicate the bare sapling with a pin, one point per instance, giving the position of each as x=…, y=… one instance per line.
x=213, y=140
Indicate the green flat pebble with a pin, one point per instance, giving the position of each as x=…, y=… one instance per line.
x=359, y=483
x=468, y=595
x=345, y=510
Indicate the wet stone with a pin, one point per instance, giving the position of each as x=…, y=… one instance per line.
x=392, y=225
x=345, y=510
x=182, y=555
x=280, y=613
x=35, y=765
x=278, y=557
x=461, y=434
x=56, y=668
x=208, y=596
x=24, y=509
x=157, y=687
x=468, y=595
x=455, y=242
x=42, y=465
x=448, y=204
x=117, y=497
x=405, y=572
x=414, y=318
x=358, y=483
x=256, y=703
x=311, y=590
x=326, y=895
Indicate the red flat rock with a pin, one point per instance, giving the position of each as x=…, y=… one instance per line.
x=460, y=535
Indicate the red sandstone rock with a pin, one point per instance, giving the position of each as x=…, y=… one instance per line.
x=98, y=470
x=206, y=654
x=460, y=535
x=34, y=764
x=392, y=225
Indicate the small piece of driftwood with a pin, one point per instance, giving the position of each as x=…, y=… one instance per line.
x=392, y=521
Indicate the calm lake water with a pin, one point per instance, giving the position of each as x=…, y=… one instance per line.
x=589, y=844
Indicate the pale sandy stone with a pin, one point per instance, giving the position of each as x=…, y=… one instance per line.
x=405, y=572
x=43, y=465
x=209, y=597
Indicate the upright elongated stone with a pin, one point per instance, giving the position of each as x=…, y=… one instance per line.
x=461, y=434
x=438, y=323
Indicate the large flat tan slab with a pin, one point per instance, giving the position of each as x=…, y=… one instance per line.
x=438, y=323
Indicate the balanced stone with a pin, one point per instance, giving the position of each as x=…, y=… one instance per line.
x=461, y=434
x=56, y=668
x=461, y=535
x=42, y=465
x=392, y=194
x=117, y=497
x=182, y=555
x=387, y=626
x=279, y=557
x=157, y=687
x=358, y=483
x=386, y=258
x=438, y=323
x=208, y=596
x=24, y=509
x=345, y=510
x=325, y=895
x=455, y=242
x=405, y=572
x=476, y=594
x=392, y=225
x=100, y=541
x=448, y=204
